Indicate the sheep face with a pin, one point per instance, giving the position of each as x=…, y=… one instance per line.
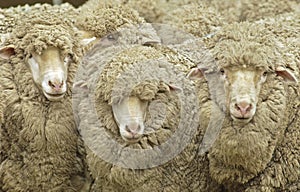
x=49, y=72
x=242, y=88
x=129, y=115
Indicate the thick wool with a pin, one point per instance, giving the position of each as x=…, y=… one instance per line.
x=43, y=150
x=197, y=19
x=102, y=18
x=10, y=16
x=151, y=11
x=285, y=27
x=245, y=157
x=255, y=10
x=120, y=74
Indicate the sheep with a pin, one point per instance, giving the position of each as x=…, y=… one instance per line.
x=230, y=10
x=151, y=11
x=252, y=10
x=285, y=27
x=253, y=149
x=196, y=19
x=99, y=18
x=42, y=149
x=115, y=86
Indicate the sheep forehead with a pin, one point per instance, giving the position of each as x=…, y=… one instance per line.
x=244, y=74
x=50, y=60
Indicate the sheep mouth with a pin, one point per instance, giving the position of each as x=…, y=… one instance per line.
x=54, y=96
x=241, y=119
x=133, y=139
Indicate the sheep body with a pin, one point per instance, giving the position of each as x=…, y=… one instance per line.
x=119, y=66
x=244, y=156
x=42, y=148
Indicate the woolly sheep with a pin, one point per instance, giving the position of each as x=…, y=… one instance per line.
x=99, y=18
x=151, y=11
x=197, y=19
x=41, y=147
x=109, y=92
x=286, y=27
x=252, y=10
x=253, y=149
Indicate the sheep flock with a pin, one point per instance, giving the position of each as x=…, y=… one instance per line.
x=150, y=96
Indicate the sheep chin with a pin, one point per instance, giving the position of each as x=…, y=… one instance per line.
x=131, y=140
x=54, y=97
x=241, y=120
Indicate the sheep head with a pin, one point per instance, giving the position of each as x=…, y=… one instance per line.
x=242, y=88
x=48, y=69
x=129, y=115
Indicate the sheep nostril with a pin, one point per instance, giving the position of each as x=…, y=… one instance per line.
x=243, y=107
x=127, y=129
x=133, y=128
x=51, y=84
x=56, y=85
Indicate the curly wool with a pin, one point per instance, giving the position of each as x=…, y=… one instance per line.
x=196, y=19
x=254, y=10
x=34, y=33
x=43, y=149
x=243, y=157
x=102, y=18
x=247, y=45
x=286, y=28
x=117, y=75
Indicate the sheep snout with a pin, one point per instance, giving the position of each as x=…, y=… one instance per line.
x=54, y=85
x=132, y=132
x=242, y=109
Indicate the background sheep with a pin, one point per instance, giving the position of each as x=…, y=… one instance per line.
x=128, y=75
x=259, y=112
x=197, y=19
x=99, y=18
x=151, y=11
x=252, y=10
x=42, y=147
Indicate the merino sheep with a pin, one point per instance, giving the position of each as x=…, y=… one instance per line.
x=258, y=145
x=119, y=86
x=99, y=18
x=252, y=10
x=41, y=147
x=197, y=19
x=151, y=11
x=286, y=28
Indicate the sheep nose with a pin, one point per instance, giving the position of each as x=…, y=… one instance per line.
x=56, y=85
x=133, y=128
x=243, y=107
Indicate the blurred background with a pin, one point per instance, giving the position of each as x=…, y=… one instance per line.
x=4, y=4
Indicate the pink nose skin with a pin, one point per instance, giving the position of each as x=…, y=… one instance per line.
x=133, y=128
x=56, y=86
x=243, y=108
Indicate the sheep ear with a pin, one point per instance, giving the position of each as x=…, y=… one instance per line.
x=150, y=41
x=86, y=37
x=174, y=88
x=7, y=51
x=82, y=85
x=195, y=73
x=286, y=74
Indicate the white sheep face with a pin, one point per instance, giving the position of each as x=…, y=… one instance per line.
x=129, y=115
x=49, y=72
x=242, y=88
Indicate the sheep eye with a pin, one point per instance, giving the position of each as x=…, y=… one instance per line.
x=222, y=71
x=265, y=73
x=110, y=37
